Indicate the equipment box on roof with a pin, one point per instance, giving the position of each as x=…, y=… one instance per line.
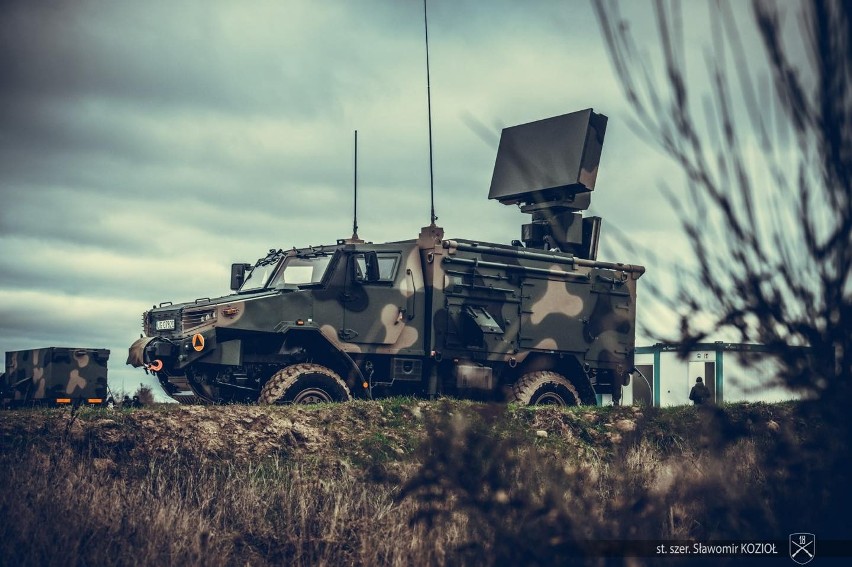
x=56, y=375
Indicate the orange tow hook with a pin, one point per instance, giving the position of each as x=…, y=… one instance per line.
x=155, y=366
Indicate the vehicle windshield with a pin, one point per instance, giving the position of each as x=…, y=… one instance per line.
x=259, y=276
x=301, y=271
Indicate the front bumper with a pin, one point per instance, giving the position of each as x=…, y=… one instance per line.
x=148, y=351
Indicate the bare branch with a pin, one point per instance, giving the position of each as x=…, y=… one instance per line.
x=768, y=174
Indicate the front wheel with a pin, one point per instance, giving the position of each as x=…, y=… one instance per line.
x=304, y=384
x=543, y=388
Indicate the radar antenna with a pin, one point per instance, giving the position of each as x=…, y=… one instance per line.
x=549, y=168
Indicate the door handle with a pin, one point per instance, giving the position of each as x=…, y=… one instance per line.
x=411, y=301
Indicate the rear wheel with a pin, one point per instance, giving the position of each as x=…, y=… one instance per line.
x=543, y=388
x=304, y=384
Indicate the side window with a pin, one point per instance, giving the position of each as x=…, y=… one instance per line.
x=387, y=266
x=388, y=262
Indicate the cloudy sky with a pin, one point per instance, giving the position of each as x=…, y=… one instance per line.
x=145, y=146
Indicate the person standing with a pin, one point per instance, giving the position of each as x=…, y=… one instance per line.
x=699, y=393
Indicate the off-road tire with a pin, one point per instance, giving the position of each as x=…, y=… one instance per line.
x=545, y=387
x=304, y=384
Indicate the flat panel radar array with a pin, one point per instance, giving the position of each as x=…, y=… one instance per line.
x=549, y=168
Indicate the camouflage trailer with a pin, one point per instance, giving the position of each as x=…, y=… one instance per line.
x=55, y=375
x=538, y=321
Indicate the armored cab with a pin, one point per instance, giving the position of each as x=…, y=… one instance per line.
x=56, y=375
x=538, y=321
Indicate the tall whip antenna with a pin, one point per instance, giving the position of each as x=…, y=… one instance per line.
x=429, y=103
x=355, y=181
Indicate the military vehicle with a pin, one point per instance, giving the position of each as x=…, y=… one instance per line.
x=538, y=321
x=55, y=376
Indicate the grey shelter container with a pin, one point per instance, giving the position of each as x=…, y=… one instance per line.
x=733, y=372
x=56, y=375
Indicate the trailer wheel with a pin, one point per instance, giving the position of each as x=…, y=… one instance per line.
x=545, y=387
x=304, y=384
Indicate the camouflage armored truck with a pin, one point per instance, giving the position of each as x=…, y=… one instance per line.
x=538, y=321
x=55, y=376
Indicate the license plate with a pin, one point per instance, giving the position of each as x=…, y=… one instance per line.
x=165, y=325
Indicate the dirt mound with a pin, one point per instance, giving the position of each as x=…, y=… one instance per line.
x=359, y=431
x=238, y=432
x=228, y=433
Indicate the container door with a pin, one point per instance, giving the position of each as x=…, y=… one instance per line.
x=707, y=371
x=642, y=383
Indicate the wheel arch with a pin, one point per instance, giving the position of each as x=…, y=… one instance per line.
x=322, y=351
x=568, y=365
x=305, y=382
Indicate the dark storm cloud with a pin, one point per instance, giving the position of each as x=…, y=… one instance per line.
x=161, y=54
x=63, y=215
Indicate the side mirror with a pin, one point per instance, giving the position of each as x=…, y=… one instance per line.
x=238, y=275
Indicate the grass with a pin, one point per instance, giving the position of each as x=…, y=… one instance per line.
x=394, y=482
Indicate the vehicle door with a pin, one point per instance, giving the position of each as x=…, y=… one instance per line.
x=383, y=301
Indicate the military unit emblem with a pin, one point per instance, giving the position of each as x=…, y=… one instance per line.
x=802, y=547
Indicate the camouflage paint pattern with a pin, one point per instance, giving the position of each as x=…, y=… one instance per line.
x=501, y=306
x=48, y=374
